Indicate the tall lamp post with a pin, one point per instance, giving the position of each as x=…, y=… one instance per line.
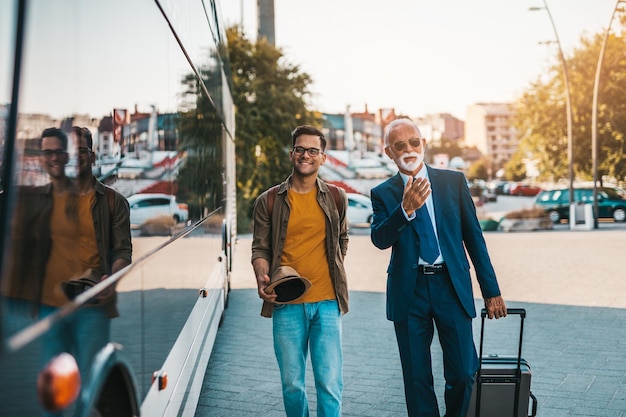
x=568, y=107
x=594, y=117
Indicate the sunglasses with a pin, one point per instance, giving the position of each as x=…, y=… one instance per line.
x=414, y=142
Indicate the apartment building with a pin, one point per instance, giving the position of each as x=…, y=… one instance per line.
x=488, y=127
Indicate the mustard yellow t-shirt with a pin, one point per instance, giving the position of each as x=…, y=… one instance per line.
x=74, y=248
x=305, y=245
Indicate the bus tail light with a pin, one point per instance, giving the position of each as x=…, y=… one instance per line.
x=58, y=383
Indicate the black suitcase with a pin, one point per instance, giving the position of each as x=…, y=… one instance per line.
x=502, y=387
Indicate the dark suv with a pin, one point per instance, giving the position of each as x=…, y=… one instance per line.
x=611, y=203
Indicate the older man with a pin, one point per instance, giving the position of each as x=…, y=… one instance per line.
x=427, y=216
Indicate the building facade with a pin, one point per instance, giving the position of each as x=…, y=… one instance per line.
x=266, y=22
x=361, y=133
x=440, y=126
x=489, y=128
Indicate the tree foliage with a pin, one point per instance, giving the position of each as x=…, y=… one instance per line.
x=270, y=96
x=200, y=138
x=541, y=113
x=478, y=170
x=515, y=168
x=446, y=146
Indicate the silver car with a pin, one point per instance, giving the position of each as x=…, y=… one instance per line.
x=148, y=206
x=360, y=210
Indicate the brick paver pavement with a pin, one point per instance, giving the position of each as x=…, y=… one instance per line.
x=572, y=283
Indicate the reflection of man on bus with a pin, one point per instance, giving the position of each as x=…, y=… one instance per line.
x=90, y=233
x=85, y=234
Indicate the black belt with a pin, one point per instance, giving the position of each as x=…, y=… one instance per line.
x=432, y=269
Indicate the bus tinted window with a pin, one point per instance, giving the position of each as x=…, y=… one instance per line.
x=108, y=94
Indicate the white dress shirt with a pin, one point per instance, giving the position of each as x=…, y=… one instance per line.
x=423, y=173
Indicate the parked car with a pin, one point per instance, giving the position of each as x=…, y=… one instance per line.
x=368, y=168
x=498, y=187
x=360, y=210
x=481, y=193
x=148, y=206
x=611, y=205
x=522, y=189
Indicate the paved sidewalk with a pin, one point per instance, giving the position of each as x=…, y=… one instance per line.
x=572, y=284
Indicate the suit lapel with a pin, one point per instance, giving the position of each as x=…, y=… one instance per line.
x=397, y=187
x=396, y=191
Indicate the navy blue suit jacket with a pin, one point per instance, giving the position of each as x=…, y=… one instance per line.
x=458, y=229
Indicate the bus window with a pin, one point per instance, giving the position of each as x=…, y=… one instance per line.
x=107, y=109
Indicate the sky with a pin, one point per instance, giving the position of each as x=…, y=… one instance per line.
x=416, y=56
x=422, y=56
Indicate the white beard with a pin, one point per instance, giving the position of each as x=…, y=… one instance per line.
x=410, y=166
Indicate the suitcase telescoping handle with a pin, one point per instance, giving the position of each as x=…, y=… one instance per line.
x=509, y=311
x=518, y=311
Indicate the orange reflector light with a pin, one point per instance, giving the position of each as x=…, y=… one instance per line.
x=58, y=383
x=183, y=206
x=160, y=377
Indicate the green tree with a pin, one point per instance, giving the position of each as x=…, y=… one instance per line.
x=478, y=170
x=446, y=146
x=541, y=118
x=200, y=137
x=515, y=168
x=270, y=96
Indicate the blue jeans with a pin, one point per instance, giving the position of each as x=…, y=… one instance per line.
x=82, y=334
x=298, y=328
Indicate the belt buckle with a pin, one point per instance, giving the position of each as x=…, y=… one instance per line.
x=429, y=269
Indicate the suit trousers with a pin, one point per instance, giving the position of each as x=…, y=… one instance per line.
x=435, y=303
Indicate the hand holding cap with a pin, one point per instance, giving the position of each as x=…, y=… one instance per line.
x=287, y=284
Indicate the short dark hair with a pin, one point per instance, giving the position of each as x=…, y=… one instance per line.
x=54, y=132
x=83, y=132
x=307, y=130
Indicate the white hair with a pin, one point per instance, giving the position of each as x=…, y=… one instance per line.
x=396, y=123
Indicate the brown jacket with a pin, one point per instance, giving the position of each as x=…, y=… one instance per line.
x=269, y=236
x=31, y=242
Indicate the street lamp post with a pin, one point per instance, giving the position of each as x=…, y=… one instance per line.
x=594, y=118
x=568, y=107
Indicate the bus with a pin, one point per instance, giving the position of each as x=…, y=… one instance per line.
x=151, y=82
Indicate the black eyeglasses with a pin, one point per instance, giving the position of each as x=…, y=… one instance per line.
x=83, y=151
x=49, y=153
x=299, y=150
x=414, y=142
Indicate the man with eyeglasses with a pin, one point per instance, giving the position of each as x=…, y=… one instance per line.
x=106, y=209
x=427, y=216
x=78, y=232
x=99, y=218
x=31, y=241
x=301, y=223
